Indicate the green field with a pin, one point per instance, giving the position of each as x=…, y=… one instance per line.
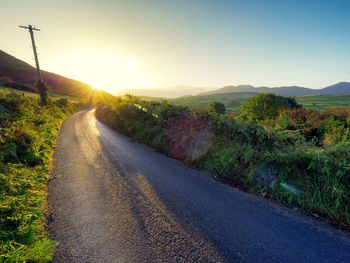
x=233, y=101
x=324, y=101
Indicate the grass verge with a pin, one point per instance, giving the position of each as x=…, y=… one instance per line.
x=27, y=137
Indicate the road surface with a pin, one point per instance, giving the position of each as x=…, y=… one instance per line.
x=114, y=200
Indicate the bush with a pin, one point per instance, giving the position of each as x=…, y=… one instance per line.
x=325, y=128
x=266, y=106
x=62, y=102
x=217, y=107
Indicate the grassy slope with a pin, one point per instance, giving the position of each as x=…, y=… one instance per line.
x=22, y=72
x=27, y=137
x=233, y=101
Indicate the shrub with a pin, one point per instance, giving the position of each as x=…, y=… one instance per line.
x=217, y=107
x=266, y=106
x=62, y=102
x=325, y=128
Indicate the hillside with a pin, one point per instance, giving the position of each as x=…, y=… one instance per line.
x=291, y=91
x=24, y=75
x=341, y=88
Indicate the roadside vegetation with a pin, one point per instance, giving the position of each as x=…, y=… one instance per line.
x=309, y=149
x=28, y=134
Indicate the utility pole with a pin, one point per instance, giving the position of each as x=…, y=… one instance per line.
x=41, y=85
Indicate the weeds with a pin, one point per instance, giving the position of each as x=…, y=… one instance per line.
x=27, y=137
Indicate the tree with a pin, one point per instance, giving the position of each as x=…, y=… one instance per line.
x=217, y=107
x=266, y=106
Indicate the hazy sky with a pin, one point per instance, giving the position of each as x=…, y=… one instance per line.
x=139, y=44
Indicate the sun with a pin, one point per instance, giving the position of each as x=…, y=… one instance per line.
x=102, y=70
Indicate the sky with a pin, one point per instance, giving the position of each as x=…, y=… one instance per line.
x=117, y=44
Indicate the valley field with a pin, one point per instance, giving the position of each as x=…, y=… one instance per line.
x=324, y=101
x=233, y=101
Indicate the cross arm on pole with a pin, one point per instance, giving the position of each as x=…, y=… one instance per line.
x=30, y=27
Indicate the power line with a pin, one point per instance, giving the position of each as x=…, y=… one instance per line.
x=48, y=47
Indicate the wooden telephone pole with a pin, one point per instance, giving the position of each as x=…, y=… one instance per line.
x=41, y=85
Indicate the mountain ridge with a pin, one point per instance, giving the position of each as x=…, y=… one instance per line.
x=341, y=88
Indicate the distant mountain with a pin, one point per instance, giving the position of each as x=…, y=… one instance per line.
x=230, y=89
x=283, y=91
x=167, y=92
x=291, y=91
x=342, y=88
x=24, y=75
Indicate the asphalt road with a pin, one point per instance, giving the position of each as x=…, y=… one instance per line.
x=114, y=200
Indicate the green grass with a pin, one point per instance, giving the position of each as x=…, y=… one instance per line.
x=27, y=137
x=324, y=101
x=2, y=88
x=27, y=93
x=232, y=101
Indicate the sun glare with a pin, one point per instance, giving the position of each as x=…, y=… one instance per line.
x=102, y=70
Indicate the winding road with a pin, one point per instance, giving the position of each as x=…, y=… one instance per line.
x=114, y=200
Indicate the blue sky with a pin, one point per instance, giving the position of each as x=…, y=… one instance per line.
x=198, y=43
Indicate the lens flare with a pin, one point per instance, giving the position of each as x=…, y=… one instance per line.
x=189, y=137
